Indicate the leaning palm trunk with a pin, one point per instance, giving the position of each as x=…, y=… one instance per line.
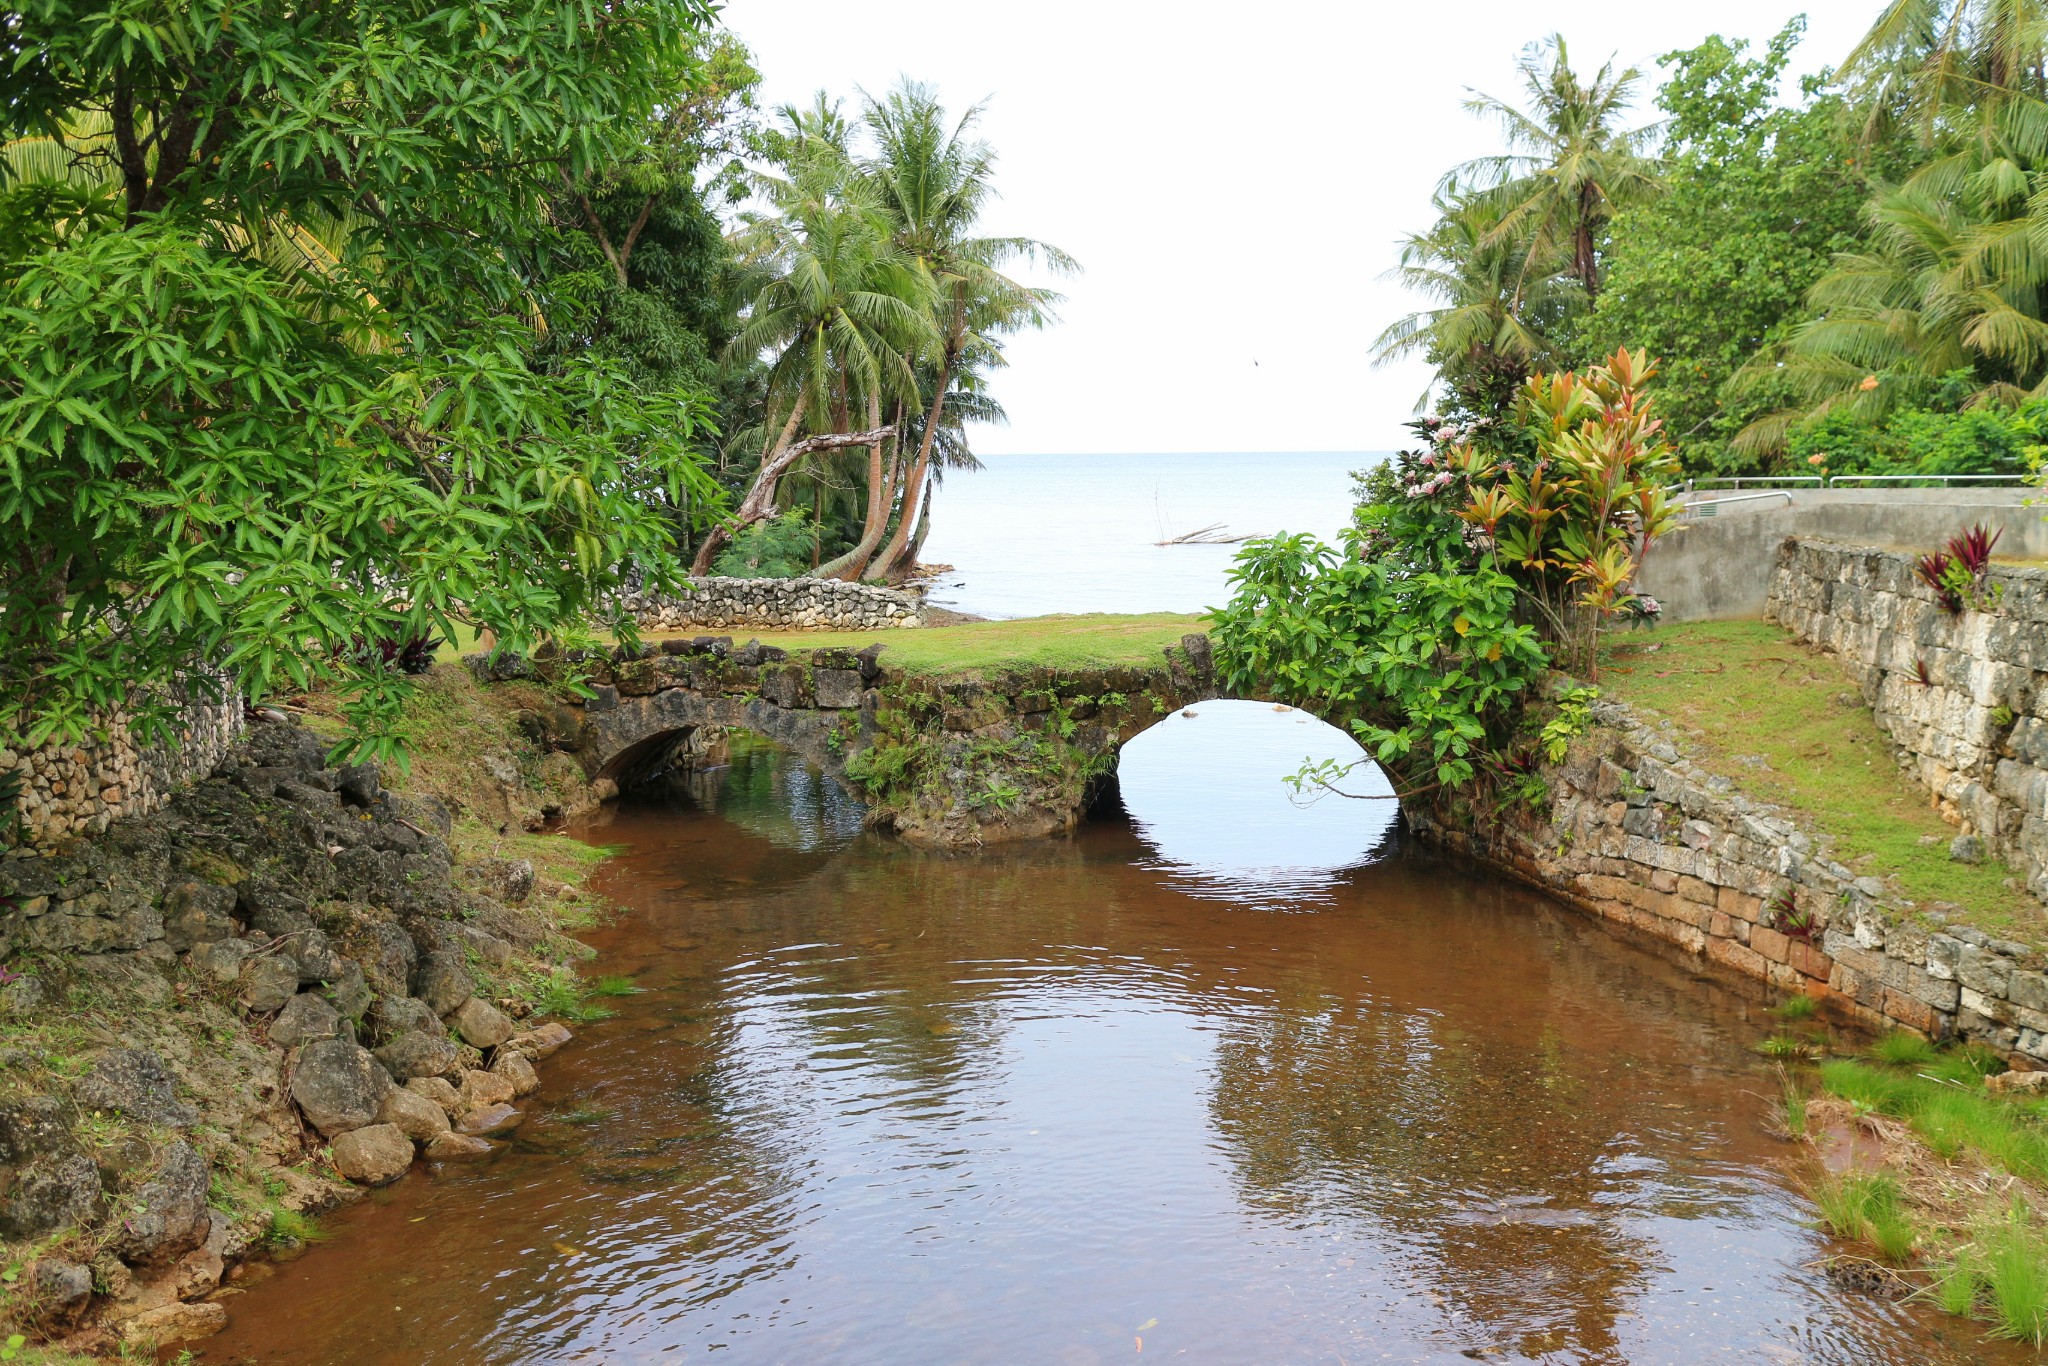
x=850, y=565
x=913, y=491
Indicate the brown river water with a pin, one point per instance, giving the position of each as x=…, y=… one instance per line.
x=1152, y=1092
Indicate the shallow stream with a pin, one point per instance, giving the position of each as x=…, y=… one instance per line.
x=1148, y=1093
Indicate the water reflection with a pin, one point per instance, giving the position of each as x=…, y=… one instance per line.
x=1039, y=1105
x=1207, y=789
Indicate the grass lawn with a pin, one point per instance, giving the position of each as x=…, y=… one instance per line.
x=1745, y=691
x=1093, y=640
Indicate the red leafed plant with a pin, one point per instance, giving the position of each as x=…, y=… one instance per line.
x=1956, y=572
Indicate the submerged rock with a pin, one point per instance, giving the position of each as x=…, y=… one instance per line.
x=492, y=1119
x=175, y=1324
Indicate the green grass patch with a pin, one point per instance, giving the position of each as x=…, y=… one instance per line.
x=1867, y=1207
x=1090, y=641
x=614, y=986
x=1901, y=1049
x=1944, y=1102
x=1796, y=1008
x=289, y=1228
x=1745, y=691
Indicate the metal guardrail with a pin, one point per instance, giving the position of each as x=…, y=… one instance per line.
x=1708, y=507
x=1994, y=479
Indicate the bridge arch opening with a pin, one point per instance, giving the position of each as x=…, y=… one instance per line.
x=1208, y=789
x=769, y=788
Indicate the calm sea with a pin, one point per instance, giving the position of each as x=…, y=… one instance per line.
x=1031, y=534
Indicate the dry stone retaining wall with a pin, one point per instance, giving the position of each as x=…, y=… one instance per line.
x=799, y=604
x=1638, y=834
x=1975, y=733
x=70, y=790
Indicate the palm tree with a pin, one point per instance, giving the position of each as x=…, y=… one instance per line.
x=935, y=181
x=841, y=306
x=1945, y=63
x=1570, y=165
x=1492, y=326
x=1951, y=281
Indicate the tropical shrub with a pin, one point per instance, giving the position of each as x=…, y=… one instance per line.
x=1986, y=439
x=268, y=399
x=1958, y=571
x=1574, y=523
x=778, y=548
x=1425, y=665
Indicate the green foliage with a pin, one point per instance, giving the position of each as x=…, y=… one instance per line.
x=1758, y=199
x=775, y=548
x=558, y=991
x=1916, y=440
x=1574, y=715
x=2016, y=1270
x=1945, y=1104
x=1796, y=1008
x=1426, y=665
x=269, y=398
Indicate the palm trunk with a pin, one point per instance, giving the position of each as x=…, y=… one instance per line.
x=760, y=494
x=850, y=565
x=913, y=491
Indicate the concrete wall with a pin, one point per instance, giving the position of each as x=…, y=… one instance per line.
x=1975, y=732
x=1720, y=566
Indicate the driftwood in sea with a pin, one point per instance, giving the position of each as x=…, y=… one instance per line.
x=1212, y=534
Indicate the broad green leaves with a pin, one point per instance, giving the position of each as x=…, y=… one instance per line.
x=1426, y=665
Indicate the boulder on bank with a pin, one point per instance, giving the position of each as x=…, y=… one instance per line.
x=134, y=1082
x=166, y=1216
x=449, y=1146
x=375, y=1155
x=443, y=982
x=540, y=1043
x=305, y=1018
x=419, y=1118
x=439, y=1090
x=481, y=1024
x=418, y=1054
x=339, y=1085
x=514, y=1068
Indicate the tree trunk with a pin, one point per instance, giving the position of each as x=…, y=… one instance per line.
x=759, y=504
x=768, y=474
x=913, y=491
x=850, y=565
x=924, y=524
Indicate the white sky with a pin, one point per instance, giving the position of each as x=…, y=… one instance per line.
x=1234, y=180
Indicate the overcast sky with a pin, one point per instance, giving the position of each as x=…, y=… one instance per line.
x=1234, y=179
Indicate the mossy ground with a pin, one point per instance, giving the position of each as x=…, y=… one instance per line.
x=1786, y=722
x=452, y=724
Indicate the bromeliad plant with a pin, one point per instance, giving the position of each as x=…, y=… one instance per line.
x=1958, y=572
x=1574, y=524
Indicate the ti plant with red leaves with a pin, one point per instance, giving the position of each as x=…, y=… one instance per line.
x=1957, y=573
x=1574, y=527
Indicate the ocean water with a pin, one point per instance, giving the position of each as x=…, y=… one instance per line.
x=1031, y=534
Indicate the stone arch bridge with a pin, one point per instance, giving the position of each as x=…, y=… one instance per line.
x=947, y=760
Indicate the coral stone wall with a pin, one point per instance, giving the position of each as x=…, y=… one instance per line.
x=1975, y=731
x=797, y=604
x=1636, y=833
x=69, y=790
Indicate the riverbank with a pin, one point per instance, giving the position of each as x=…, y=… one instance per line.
x=222, y=1018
